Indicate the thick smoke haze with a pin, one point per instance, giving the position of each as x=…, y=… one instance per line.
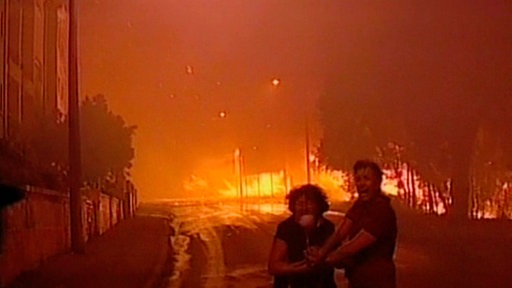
x=170, y=67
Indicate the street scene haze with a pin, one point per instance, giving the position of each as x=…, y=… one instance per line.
x=154, y=143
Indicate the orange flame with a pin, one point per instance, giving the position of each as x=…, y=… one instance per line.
x=227, y=181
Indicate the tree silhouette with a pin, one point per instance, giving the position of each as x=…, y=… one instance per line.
x=106, y=140
x=436, y=77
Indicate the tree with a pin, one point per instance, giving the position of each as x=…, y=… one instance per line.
x=41, y=159
x=354, y=126
x=106, y=140
x=47, y=139
x=441, y=72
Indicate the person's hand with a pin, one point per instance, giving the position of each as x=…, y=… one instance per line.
x=313, y=255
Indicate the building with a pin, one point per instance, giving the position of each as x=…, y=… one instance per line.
x=33, y=57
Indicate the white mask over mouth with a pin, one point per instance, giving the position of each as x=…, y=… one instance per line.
x=307, y=221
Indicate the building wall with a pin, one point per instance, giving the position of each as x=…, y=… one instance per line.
x=39, y=29
x=38, y=227
x=115, y=214
x=3, y=67
x=33, y=230
x=14, y=21
x=56, y=27
x=33, y=58
x=61, y=96
x=34, y=82
x=104, y=213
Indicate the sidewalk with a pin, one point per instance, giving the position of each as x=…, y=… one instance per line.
x=132, y=254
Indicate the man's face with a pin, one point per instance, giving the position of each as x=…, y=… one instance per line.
x=367, y=183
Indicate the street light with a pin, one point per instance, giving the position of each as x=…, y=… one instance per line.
x=275, y=83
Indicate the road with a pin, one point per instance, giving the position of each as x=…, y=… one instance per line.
x=220, y=246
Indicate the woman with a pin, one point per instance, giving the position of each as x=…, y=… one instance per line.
x=305, y=229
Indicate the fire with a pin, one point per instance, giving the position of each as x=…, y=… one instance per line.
x=271, y=186
x=263, y=185
x=225, y=180
x=334, y=182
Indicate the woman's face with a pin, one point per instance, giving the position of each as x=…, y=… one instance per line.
x=306, y=212
x=304, y=206
x=367, y=184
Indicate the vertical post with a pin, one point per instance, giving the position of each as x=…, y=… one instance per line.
x=259, y=190
x=271, y=184
x=238, y=170
x=308, y=170
x=285, y=181
x=75, y=199
x=243, y=178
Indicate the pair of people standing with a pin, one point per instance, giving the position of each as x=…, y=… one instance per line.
x=307, y=246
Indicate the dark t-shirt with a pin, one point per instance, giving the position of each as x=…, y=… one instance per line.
x=10, y=195
x=373, y=267
x=295, y=237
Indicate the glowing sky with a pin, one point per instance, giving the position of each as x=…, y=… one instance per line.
x=137, y=52
x=170, y=67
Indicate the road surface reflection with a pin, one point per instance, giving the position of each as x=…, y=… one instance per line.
x=226, y=246
x=222, y=245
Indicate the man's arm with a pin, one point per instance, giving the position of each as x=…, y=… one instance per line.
x=332, y=242
x=362, y=240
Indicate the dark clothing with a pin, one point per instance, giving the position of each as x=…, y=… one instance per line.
x=10, y=195
x=373, y=267
x=295, y=237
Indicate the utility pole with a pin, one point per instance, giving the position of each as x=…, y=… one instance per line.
x=308, y=170
x=271, y=184
x=75, y=173
x=239, y=174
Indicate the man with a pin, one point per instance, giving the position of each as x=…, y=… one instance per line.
x=367, y=237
